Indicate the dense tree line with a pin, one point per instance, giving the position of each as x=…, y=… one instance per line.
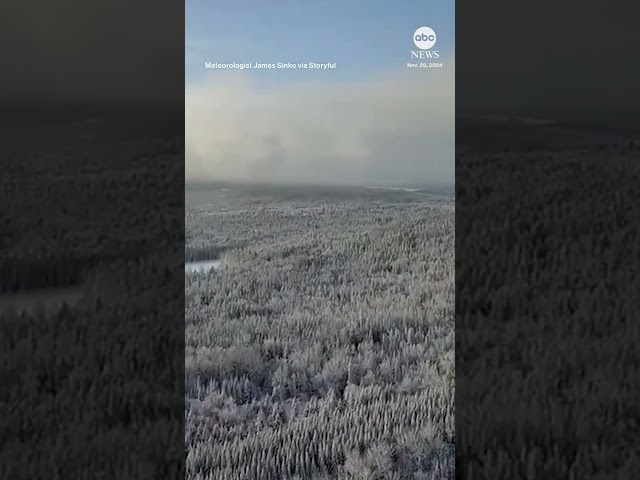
x=203, y=253
x=30, y=274
x=324, y=347
x=59, y=271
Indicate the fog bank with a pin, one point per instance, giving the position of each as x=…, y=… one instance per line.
x=391, y=130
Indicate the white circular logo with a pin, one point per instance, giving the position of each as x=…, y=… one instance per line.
x=424, y=38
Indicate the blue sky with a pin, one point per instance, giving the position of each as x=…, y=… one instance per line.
x=362, y=37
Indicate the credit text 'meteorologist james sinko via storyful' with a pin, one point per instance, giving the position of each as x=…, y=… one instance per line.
x=242, y=66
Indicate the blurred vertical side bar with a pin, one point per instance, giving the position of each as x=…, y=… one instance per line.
x=91, y=240
x=547, y=147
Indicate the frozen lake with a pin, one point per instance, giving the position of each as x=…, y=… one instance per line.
x=201, y=267
x=49, y=300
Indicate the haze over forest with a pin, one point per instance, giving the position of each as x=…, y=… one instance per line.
x=393, y=130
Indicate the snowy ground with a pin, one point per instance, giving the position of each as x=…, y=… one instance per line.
x=202, y=266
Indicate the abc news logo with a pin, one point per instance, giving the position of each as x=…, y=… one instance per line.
x=425, y=38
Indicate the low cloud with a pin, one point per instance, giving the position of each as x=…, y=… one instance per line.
x=391, y=130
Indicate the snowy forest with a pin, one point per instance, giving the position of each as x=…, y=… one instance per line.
x=323, y=345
